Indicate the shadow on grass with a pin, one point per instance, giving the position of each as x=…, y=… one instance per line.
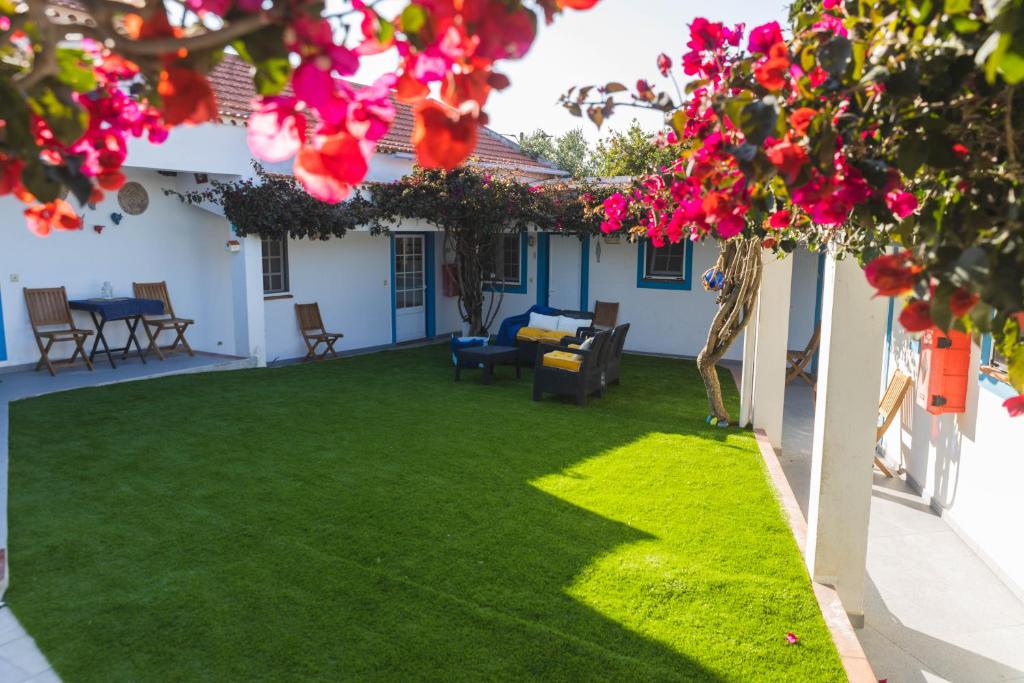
x=364, y=519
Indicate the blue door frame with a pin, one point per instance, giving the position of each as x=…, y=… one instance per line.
x=429, y=281
x=3, y=339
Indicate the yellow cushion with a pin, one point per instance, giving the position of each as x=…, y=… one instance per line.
x=564, y=360
x=538, y=334
x=575, y=346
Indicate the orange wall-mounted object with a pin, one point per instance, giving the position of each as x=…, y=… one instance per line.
x=944, y=371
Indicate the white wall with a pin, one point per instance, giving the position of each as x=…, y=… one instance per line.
x=180, y=244
x=662, y=320
x=970, y=465
x=803, y=298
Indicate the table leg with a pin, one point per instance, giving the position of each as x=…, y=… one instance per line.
x=100, y=339
x=133, y=325
x=488, y=372
x=458, y=370
x=518, y=372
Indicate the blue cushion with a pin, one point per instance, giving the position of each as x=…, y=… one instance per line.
x=465, y=343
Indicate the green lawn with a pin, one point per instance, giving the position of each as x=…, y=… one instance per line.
x=369, y=519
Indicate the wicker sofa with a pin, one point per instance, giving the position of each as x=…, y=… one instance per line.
x=557, y=325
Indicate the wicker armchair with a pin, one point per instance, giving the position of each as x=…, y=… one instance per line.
x=615, y=344
x=571, y=372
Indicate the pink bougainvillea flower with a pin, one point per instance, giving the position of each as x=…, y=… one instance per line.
x=734, y=35
x=372, y=112
x=801, y=119
x=780, y=220
x=893, y=274
x=55, y=215
x=961, y=151
x=705, y=35
x=771, y=72
x=276, y=131
x=916, y=316
x=664, y=64
x=901, y=203
x=791, y=638
x=504, y=31
x=201, y=7
x=313, y=84
x=961, y=301
x=1015, y=405
x=830, y=4
x=788, y=157
x=329, y=171
x=764, y=36
x=443, y=137
x=730, y=226
x=187, y=96
x=831, y=24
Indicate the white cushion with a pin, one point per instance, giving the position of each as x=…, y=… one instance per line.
x=585, y=346
x=567, y=324
x=544, y=322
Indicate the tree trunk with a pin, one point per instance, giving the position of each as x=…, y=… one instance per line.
x=740, y=261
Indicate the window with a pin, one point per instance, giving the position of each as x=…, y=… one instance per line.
x=665, y=263
x=998, y=361
x=275, y=266
x=503, y=264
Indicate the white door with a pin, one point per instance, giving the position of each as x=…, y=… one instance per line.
x=564, y=272
x=410, y=288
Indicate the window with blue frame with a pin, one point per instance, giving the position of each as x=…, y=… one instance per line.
x=994, y=370
x=502, y=264
x=665, y=267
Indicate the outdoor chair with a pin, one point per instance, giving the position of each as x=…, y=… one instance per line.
x=895, y=393
x=168, y=322
x=606, y=315
x=48, y=308
x=577, y=372
x=797, y=361
x=615, y=344
x=311, y=327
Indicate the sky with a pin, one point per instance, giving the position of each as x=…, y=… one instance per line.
x=617, y=40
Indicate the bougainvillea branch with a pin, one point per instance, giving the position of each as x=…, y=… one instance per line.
x=78, y=83
x=884, y=130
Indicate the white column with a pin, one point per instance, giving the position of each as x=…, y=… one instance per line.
x=747, y=374
x=845, y=420
x=769, y=369
x=247, y=281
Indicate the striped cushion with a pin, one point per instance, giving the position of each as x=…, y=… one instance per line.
x=563, y=360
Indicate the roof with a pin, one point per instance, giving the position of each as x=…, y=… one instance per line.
x=232, y=83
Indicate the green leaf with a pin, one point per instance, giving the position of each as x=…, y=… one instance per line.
x=65, y=118
x=758, y=119
x=835, y=55
x=957, y=6
x=1016, y=367
x=272, y=75
x=37, y=181
x=414, y=18
x=74, y=71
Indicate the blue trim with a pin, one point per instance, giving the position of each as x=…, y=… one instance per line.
x=3, y=339
x=429, y=282
x=888, y=335
x=585, y=273
x=543, y=268
x=818, y=302
x=991, y=384
x=523, y=263
x=394, y=300
x=683, y=284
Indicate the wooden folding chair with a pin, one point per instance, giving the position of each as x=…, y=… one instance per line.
x=797, y=361
x=154, y=325
x=48, y=307
x=897, y=390
x=311, y=327
x=606, y=315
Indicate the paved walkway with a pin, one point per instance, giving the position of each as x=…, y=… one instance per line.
x=20, y=659
x=933, y=610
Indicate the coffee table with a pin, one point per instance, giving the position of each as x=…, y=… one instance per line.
x=486, y=357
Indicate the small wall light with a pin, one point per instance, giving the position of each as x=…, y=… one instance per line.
x=233, y=246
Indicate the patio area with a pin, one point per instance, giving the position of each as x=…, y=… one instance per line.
x=369, y=515
x=934, y=611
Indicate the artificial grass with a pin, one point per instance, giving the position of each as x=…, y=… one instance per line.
x=369, y=519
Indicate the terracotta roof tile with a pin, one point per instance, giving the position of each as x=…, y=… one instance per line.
x=232, y=83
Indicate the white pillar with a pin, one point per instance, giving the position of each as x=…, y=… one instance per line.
x=845, y=419
x=747, y=373
x=769, y=390
x=247, y=282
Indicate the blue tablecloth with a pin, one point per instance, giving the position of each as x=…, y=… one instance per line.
x=118, y=308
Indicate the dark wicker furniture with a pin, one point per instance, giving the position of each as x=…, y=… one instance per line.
x=581, y=383
x=615, y=344
x=486, y=357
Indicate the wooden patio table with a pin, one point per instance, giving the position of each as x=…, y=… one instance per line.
x=128, y=309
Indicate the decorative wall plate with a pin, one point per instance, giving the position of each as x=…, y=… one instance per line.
x=133, y=198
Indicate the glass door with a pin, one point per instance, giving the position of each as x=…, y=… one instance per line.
x=410, y=288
